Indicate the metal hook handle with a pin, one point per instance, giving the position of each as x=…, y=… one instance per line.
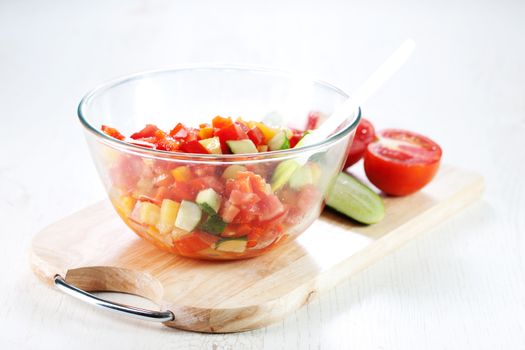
x=143, y=314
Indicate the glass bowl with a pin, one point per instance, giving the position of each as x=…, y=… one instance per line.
x=264, y=199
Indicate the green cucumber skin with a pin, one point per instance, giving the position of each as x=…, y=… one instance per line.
x=355, y=200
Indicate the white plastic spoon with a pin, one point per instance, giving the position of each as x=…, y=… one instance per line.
x=286, y=169
x=371, y=85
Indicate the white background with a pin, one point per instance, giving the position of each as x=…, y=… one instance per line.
x=459, y=286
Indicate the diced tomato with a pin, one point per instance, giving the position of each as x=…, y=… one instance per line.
x=231, y=132
x=204, y=170
x=257, y=183
x=160, y=194
x=164, y=179
x=307, y=198
x=270, y=207
x=255, y=134
x=126, y=172
x=148, y=131
x=112, y=132
x=243, y=199
x=220, y=122
x=204, y=182
x=179, y=191
x=296, y=136
x=193, y=135
x=313, y=120
x=179, y=132
x=194, y=242
x=229, y=211
x=194, y=147
x=165, y=142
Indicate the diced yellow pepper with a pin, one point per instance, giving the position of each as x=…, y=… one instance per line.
x=205, y=132
x=149, y=213
x=127, y=204
x=267, y=131
x=181, y=173
x=168, y=214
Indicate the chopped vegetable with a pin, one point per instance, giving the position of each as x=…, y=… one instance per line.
x=188, y=216
x=352, y=198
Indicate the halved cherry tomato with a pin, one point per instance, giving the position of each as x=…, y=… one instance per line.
x=364, y=134
x=401, y=162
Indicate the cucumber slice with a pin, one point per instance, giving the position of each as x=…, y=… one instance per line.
x=301, y=177
x=279, y=141
x=210, y=198
x=213, y=225
x=234, y=245
x=188, y=216
x=242, y=146
x=283, y=172
x=354, y=199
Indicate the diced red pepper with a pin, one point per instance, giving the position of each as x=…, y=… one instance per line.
x=231, y=132
x=194, y=147
x=148, y=131
x=179, y=132
x=296, y=136
x=112, y=132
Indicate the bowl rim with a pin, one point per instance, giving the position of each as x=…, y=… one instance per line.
x=101, y=88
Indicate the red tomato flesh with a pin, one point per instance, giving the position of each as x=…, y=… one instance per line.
x=401, y=162
x=364, y=134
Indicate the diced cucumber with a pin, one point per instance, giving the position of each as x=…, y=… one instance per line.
x=301, y=177
x=233, y=245
x=354, y=199
x=231, y=171
x=188, y=216
x=213, y=225
x=210, y=198
x=213, y=145
x=304, y=140
x=283, y=172
x=242, y=146
x=279, y=141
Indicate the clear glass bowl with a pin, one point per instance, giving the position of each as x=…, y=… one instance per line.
x=148, y=186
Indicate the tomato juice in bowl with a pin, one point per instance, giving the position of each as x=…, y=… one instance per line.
x=231, y=202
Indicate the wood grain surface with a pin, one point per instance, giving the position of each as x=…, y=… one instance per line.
x=458, y=286
x=96, y=252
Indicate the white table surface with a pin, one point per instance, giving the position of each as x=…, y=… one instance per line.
x=459, y=286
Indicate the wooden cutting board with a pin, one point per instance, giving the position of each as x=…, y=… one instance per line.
x=95, y=251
